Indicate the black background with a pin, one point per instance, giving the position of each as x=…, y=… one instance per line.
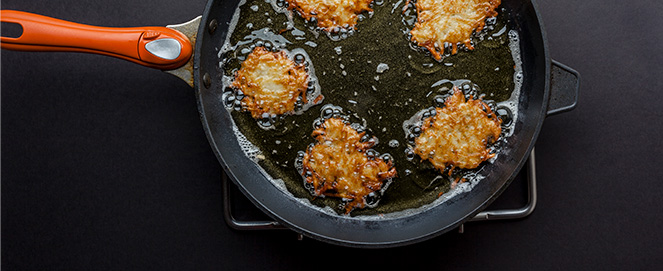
x=105, y=164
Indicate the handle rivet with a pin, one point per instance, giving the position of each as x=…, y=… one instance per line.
x=207, y=81
x=212, y=26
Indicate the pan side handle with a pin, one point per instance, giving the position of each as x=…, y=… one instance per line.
x=564, y=86
x=156, y=47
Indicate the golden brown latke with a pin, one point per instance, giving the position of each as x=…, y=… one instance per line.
x=331, y=13
x=338, y=166
x=452, y=21
x=459, y=133
x=270, y=82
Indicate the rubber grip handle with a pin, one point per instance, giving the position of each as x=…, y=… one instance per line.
x=41, y=33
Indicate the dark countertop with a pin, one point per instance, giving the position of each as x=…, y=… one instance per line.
x=105, y=164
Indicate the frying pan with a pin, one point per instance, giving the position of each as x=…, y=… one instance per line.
x=191, y=52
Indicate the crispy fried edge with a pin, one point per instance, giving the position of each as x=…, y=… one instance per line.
x=249, y=102
x=322, y=187
x=328, y=24
x=454, y=100
x=478, y=26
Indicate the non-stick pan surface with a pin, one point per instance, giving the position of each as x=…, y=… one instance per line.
x=370, y=231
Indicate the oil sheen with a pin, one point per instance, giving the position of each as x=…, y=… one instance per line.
x=380, y=79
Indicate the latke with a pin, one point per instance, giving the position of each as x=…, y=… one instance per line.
x=450, y=21
x=270, y=83
x=458, y=134
x=331, y=14
x=338, y=165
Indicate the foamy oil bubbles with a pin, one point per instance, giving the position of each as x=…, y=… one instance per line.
x=232, y=55
x=409, y=14
x=340, y=33
x=508, y=109
x=357, y=123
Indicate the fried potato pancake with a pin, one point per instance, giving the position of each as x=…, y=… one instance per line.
x=458, y=134
x=331, y=13
x=338, y=166
x=452, y=21
x=270, y=82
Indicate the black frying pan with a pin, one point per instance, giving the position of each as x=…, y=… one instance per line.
x=548, y=88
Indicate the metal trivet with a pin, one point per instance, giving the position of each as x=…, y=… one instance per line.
x=502, y=214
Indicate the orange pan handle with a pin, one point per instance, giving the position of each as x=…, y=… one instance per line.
x=156, y=47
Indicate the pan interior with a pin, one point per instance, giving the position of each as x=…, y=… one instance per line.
x=380, y=80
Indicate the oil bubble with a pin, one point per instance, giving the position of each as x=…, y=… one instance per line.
x=411, y=138
x=299, y=59
x=338, y=50
x=382, y=67
x=372, y=199
x=317, y=124
x=387, y=158
x=228, y=99
x=416, y=131
x=327, y=113
x=358, y=127
x=371, y=154
x=237, y=106
x=505, y=115
x=299, y=162
x=280, y=3
x=393, y=143
x=409, y=154
x=438, y=100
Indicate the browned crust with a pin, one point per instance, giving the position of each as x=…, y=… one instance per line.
x=450, y=21
x=331, y=13
x=270, y=82
x=337, y=165
x=459, y=134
